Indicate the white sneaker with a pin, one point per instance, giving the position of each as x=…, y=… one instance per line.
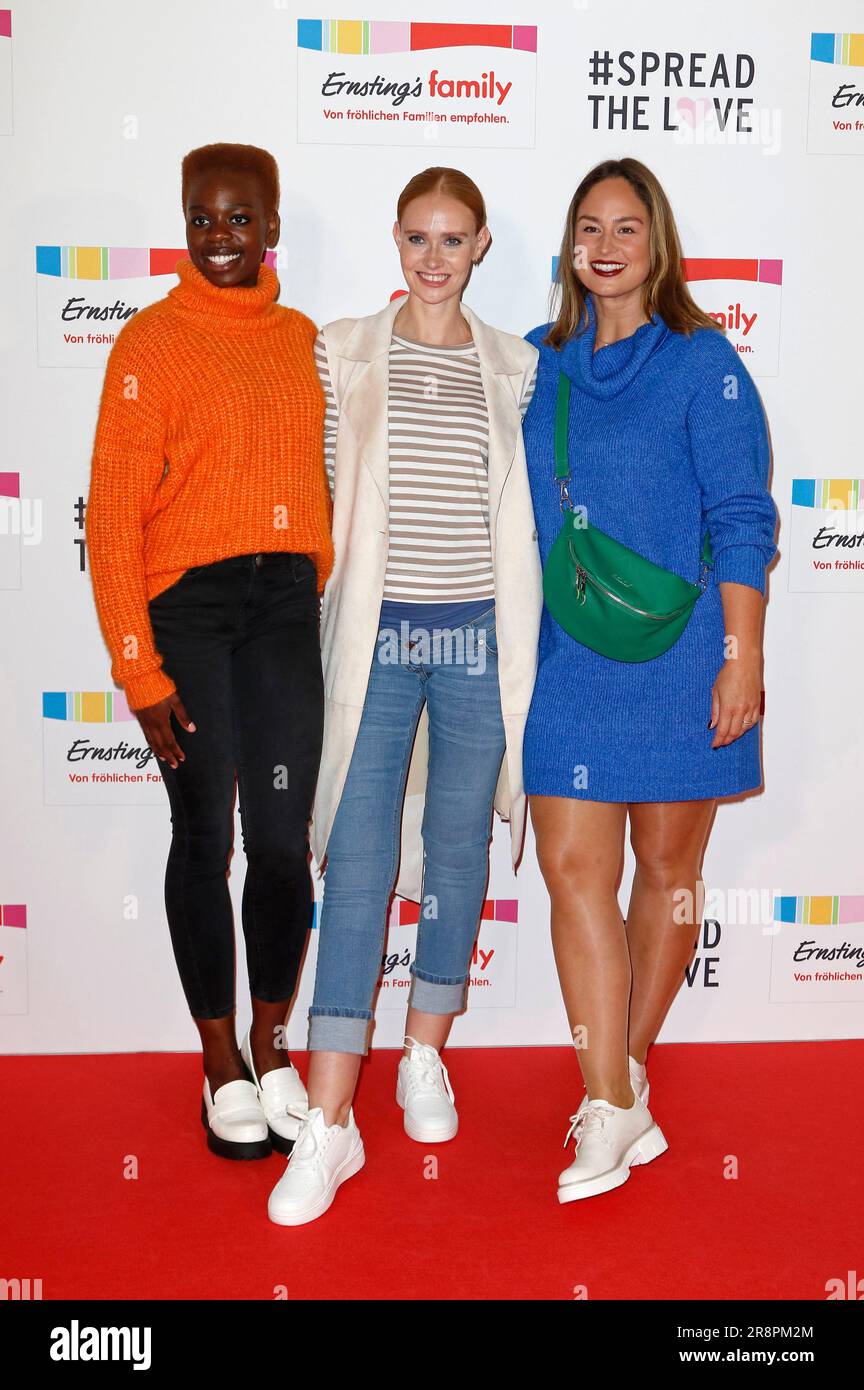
x=423, y=1090
x=322, y=1158
x=234, y=1121
x=278, y=1090
x=638, y=1080
x=609, y=1140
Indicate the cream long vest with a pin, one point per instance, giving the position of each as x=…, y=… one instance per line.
x=358, y=360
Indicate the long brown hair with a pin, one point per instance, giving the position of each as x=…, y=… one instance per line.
x=452, y=183
x=665, y=290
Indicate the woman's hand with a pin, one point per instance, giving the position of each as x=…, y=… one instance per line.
x=737, y=695
x=736, y=699
x=155, y=720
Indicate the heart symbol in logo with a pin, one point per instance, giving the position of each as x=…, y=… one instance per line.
x=692, y=111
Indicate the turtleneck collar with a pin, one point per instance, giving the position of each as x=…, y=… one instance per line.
x=195, y=295
x=609, y=370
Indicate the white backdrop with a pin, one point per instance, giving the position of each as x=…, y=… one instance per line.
x=99, y=100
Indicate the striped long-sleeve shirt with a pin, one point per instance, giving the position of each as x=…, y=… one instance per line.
x=439, y=551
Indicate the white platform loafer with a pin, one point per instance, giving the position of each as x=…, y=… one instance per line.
x=323, y=1157
x=609, y=1141
x=278, y=1090
x=234, y=1120
x=424, y=1092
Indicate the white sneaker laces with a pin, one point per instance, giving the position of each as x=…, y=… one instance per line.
x=592, y=1118
x=307, y=1149
x=426, y=1072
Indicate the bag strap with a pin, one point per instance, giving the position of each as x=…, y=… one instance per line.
x=562, y=460
x=562, y=421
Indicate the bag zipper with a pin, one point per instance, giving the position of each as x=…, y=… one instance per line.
x=581, y=576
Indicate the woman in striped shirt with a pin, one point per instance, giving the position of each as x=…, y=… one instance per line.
x=422, y=630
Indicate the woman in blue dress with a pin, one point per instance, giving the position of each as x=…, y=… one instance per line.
x=666, y=439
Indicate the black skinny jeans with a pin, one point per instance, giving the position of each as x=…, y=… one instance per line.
x=240, y=640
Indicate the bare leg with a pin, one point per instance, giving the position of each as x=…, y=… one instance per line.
x=433, y=1029
x=266, y=1035
x=333, y=1075
x=665, y=910
x=332, y=1083
x=579, y=849
x=222, y=1062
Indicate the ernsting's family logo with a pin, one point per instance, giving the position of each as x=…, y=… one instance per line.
x=835, y=122
x=88, y=758
x=85, y=294
x=407, y=82
x=492, y=968
x=817, y=952
x=484, y=88
x=14, y=997
x=743, y=295
x=6, y=108
x=826, y=553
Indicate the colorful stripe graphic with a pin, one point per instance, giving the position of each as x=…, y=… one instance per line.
x=113, y=262
x=107, y=262
x=368, y=36
x=86, y=706
x=842, y=910
x=722, y=268
x=712, y=268
x=847, y=49
x=494, y=910
x=10, y=484
x=407, y=914
x=5, y=24
x=13, y=915
x=828, y=494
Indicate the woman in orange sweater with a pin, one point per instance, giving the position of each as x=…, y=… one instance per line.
x=208, y=536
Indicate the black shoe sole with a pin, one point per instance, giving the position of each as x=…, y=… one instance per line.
x=225, y=1148
x=279, y=1144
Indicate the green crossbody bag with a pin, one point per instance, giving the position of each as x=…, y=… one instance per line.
x=607, y=596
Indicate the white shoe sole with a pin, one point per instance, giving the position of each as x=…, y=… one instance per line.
x=347, y=1168
x=426, y=1134
x=648, y=1146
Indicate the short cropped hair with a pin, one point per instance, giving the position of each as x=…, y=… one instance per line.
x=245, y=159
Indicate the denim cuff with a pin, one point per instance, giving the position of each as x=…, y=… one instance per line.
x=431, y=998
x=335, y=1033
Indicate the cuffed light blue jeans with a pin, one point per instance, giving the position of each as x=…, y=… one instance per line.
x=458, y=681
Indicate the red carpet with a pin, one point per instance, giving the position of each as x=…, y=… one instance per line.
x=488, y=1227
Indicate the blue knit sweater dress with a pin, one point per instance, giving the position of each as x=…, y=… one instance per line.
x=667, y=437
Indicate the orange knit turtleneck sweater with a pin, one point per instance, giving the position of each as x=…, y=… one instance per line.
x=209, y=444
